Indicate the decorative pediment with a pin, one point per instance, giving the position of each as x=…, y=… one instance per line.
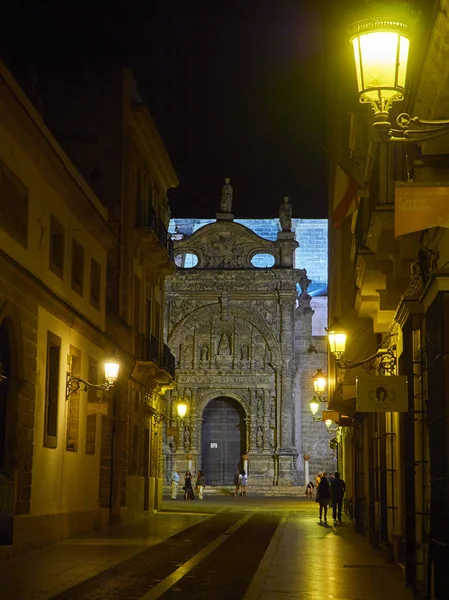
x=226, y=245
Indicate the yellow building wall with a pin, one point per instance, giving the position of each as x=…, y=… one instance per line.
x=63, y=481
x=46, y=200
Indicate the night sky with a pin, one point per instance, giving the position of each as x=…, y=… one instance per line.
x=236, y=90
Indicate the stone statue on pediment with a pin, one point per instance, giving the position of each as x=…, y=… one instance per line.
x=285, y=215
x=226, y=197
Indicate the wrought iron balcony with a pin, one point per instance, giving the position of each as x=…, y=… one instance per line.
x=147, y=219
x=149, y=350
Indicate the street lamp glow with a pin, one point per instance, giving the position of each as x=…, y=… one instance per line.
x=111, y=369
x=314, y=406
x=319, y=381
x=328, y=423
x=182, y=409
x=381, y=48
x=337, y=338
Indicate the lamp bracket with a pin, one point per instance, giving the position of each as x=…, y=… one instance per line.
x=383, y=360
x=75, y=384
x=423, y=130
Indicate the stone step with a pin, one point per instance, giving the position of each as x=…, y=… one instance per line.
x=267, y=490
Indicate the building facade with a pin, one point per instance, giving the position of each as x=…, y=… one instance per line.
x=240, y=324
x=388, y=283
x=116, y=145
x=54, y=240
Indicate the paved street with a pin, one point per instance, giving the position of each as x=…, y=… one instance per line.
x=221, y=548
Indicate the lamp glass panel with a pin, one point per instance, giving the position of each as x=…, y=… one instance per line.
x=403, y=59
x=182, y=409
x=319, y=383
x=337, y=342
x=328, y=423
x=378, y=54
x=314, y=406
x=111, y=369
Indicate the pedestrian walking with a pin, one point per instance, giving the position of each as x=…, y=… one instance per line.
x=200, y=484
x=338, y=489
x=309, y=489
x=174, y=484
x=243, y=482
x=323, y=497
x=188, y=489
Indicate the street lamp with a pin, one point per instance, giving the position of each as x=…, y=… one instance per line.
x=111, y=369
x=319, y=382
x=381, y=48
x=384, y=359
x=336, y=336
x=314, y=406
x=181, y=409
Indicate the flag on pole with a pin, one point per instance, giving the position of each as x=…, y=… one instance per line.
x=345, y=196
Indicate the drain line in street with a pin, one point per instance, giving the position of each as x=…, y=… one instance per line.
x=170, y=581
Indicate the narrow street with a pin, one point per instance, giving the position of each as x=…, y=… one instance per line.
x=224, y=547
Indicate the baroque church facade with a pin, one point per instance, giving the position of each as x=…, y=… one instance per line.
x=242, y=335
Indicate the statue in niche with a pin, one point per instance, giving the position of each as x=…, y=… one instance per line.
x=226, y=197
x=204, y=352
x=187, y=438
x=188, y=354
x=224, y=347
x=244, y=352
x=259, y=405
x=259, y=437
x=285, y=215
x=272, y=412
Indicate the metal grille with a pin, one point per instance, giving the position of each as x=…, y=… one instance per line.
x=223, y=441
x=437, y=343
x=6, y=510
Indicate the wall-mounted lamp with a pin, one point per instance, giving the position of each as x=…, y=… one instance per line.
x=111, y=369
x=181, y=409
x=329, y=427
x=314, y=406
x=319, y=385
x=384, y=359
x=381, y=49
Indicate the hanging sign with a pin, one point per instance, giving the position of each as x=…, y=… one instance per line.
x=384, y=393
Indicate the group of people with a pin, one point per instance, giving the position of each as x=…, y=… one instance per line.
x=188, y=488
x=241, y=483
x=329, y=490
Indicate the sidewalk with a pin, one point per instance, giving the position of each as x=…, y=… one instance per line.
x=311, y=562
x=41, y=574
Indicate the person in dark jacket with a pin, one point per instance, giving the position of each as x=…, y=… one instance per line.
x=338, y=489
x=323, y=497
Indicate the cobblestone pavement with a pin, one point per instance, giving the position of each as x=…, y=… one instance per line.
x=222, y=548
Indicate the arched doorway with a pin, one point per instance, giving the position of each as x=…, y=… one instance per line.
x=223, y=440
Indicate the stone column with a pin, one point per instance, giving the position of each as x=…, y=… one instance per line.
x=306, y=468
x=287, y=305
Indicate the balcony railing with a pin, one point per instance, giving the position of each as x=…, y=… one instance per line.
x=149, y=349
x=146, y=218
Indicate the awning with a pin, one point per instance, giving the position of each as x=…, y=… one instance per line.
x=343, y=400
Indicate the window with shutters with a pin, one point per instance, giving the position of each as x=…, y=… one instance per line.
x=95, y=284
x=92, y=393
x=73, y=402
x=52, y=390
x=77, y=267
x=13, y=206
x=57, y=238
x=91, y=430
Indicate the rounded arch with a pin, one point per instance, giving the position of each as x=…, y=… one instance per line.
x=206, y=398
x=213, y=310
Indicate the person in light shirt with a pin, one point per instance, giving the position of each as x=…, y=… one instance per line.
x=174, y=484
